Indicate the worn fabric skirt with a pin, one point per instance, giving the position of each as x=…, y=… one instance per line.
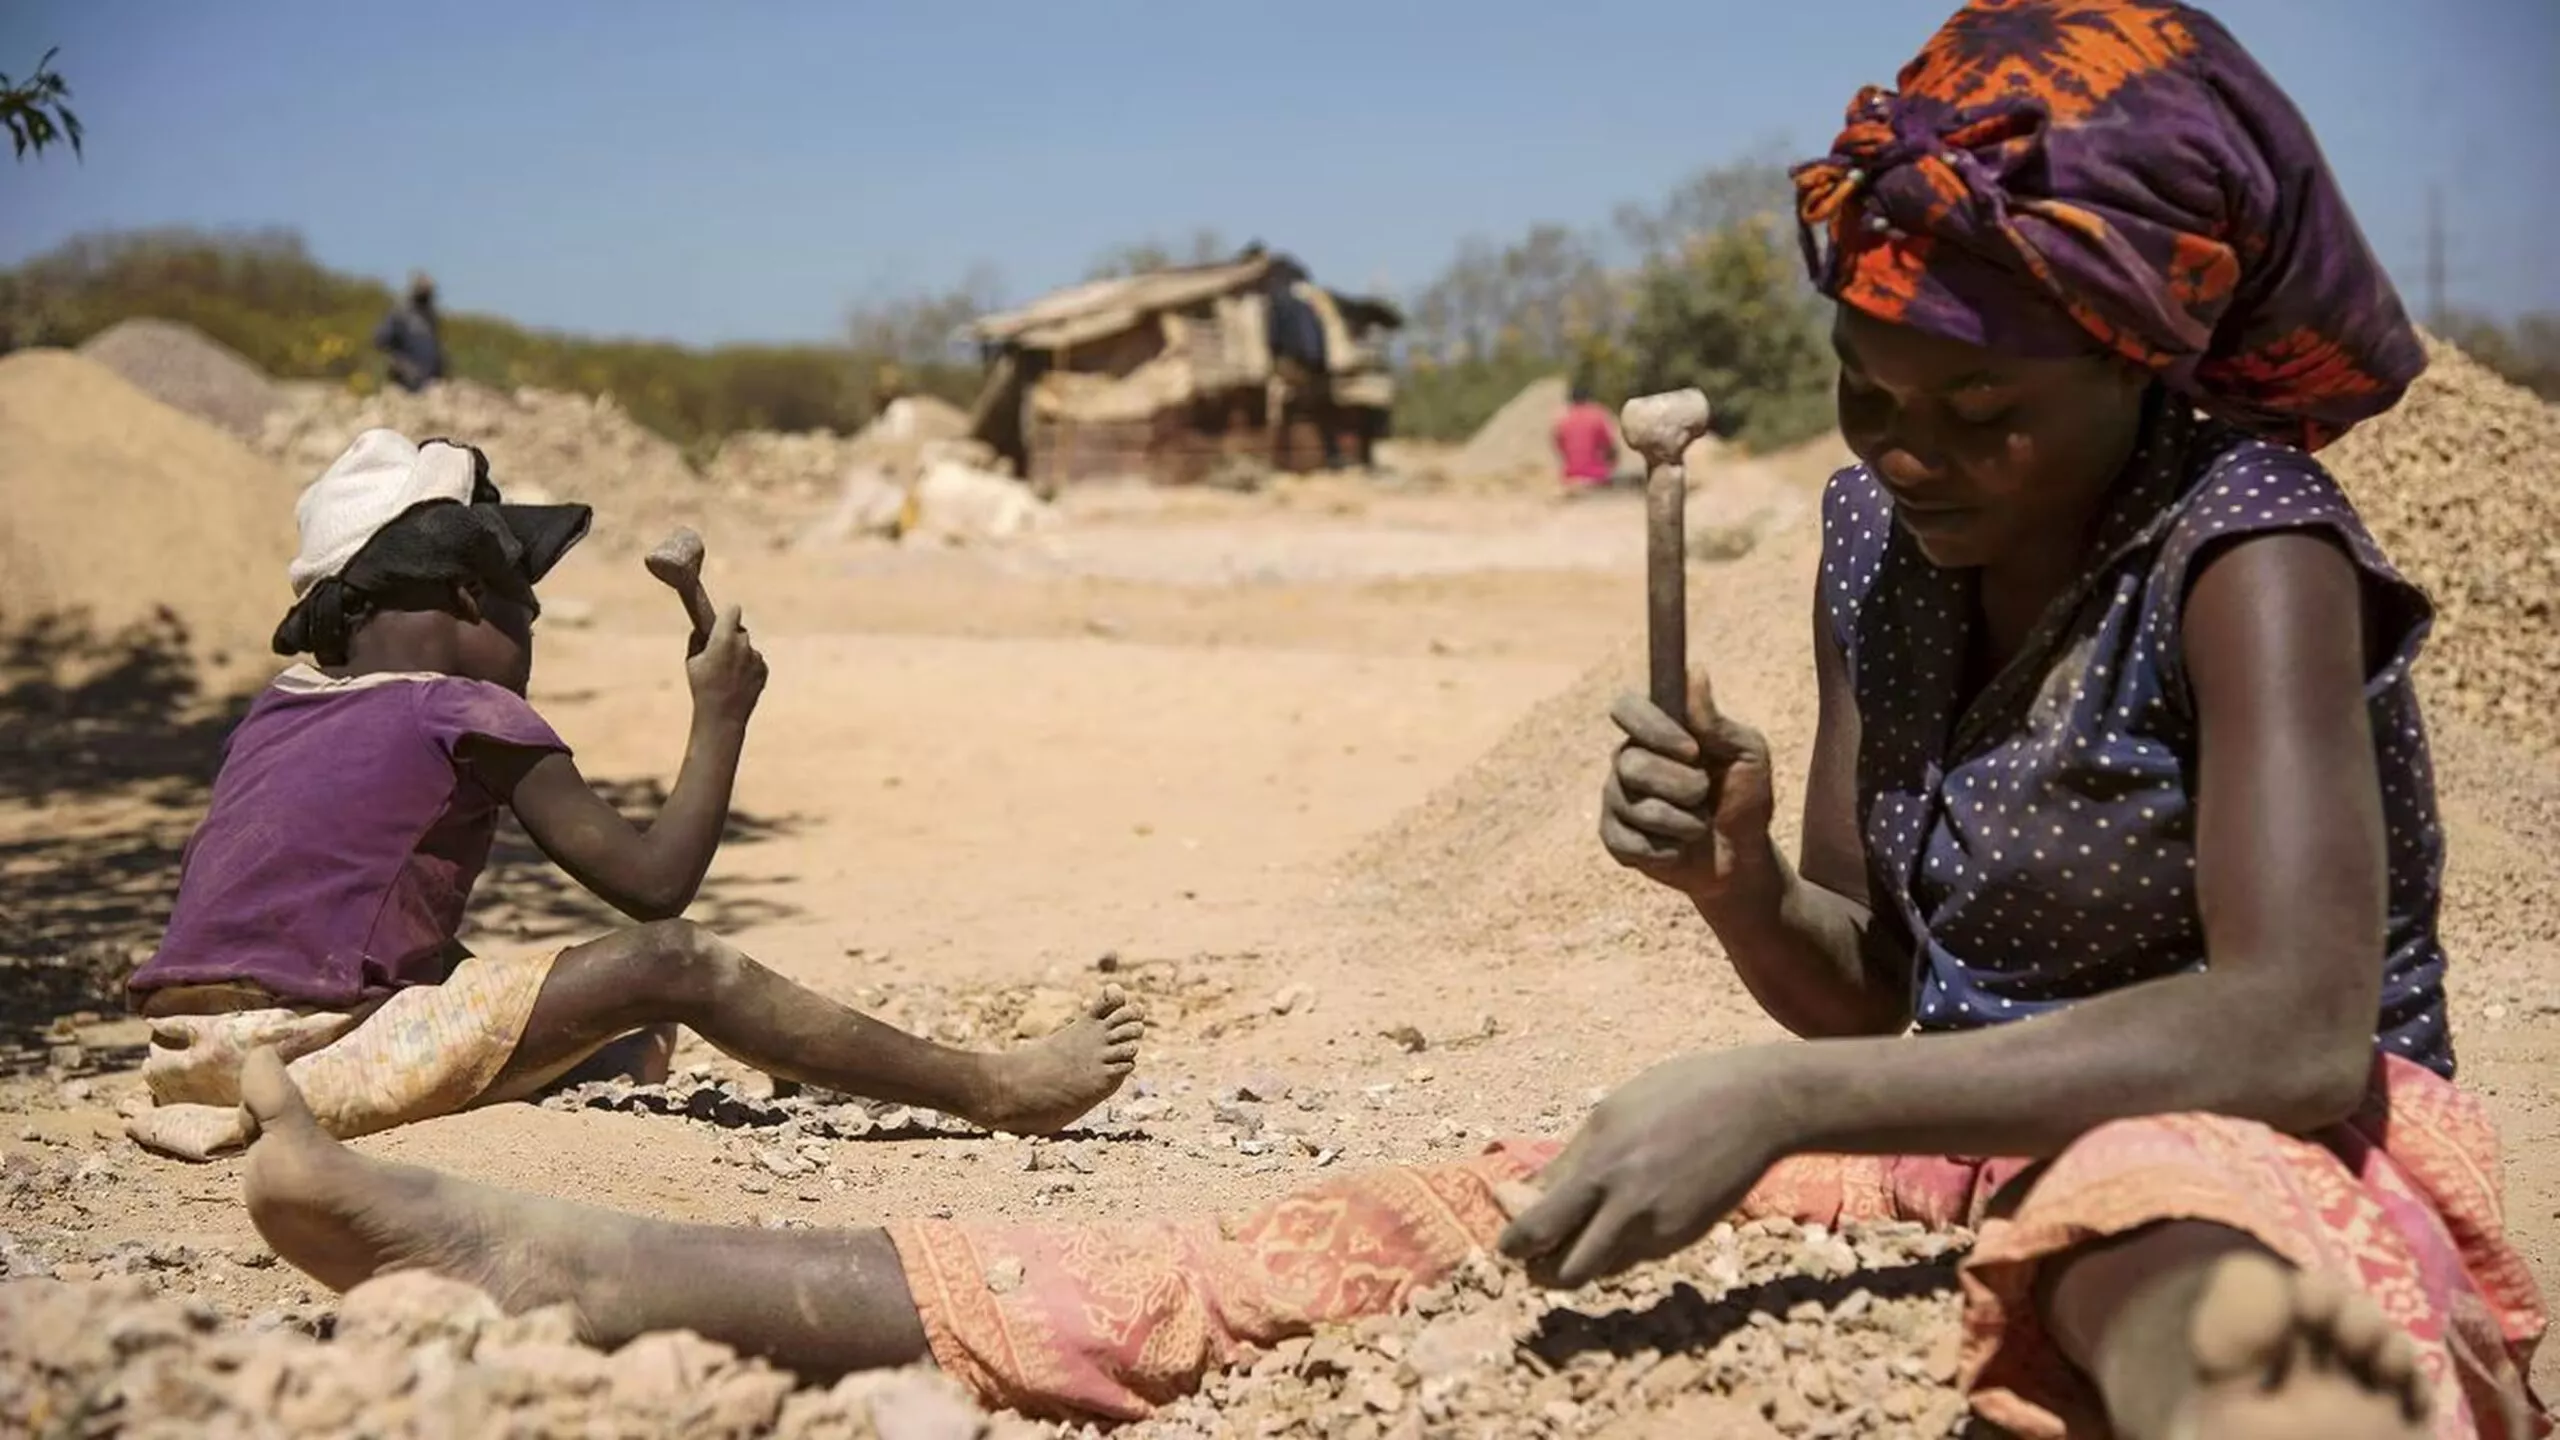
x=1110, y=1320
x=424, y=1051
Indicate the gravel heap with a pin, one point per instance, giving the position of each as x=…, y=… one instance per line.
x=182, y=366
x=2461, y=483
x=413, y=1355
x=541, y=444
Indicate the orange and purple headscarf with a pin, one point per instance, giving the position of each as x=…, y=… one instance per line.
x=2052, y=176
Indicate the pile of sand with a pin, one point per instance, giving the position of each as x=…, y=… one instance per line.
x=540, y=444
x=813, y=466
x=2461, y=483
x=115, y=508
x=182, y=366
x=1507, y=856
x=413, y=1355
x=1518, y=442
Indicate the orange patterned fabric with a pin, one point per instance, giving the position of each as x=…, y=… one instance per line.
x=1109, y=1321
x=2403, y=1200
x=2052, y=176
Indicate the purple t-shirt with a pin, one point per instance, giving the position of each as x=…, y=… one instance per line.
x=343, y=840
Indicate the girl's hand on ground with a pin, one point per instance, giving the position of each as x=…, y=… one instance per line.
x=1657, y=1163
x=728, y=673
x=1688, y=805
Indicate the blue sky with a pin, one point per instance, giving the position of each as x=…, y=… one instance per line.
x=724, y=172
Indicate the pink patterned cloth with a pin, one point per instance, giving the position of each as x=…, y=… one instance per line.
x=1108, y=1321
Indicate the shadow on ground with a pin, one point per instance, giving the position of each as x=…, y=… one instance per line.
x=108, y=748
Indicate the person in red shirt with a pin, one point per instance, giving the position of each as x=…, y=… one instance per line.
x=1586, y=442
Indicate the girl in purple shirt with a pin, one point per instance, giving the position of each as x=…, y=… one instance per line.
x=319, y=902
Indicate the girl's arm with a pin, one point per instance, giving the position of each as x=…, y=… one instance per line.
x=652, y=873
x=1802, y=937
x=2292, y=883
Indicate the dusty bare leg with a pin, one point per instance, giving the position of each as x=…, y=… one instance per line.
x=643, y=1057
x=2192, y=1331
x=818, y=1302
x=678, y=972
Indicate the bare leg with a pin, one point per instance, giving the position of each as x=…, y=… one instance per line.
x=818, y=1302
x=2192, y=1331
x=644, y=1057
x=678, y=972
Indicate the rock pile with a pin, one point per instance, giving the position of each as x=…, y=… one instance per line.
x=181, y=366
x=413, y=1355
x=541, y=444
x=130, y=531
x=1766, y=1329
x=2461, y=483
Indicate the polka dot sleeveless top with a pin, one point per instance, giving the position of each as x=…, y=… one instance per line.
x=2038, y=845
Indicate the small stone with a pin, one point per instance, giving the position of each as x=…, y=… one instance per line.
x=755, y=1184
x=1292, y=999
x=1408, y=1038
x=412, y=1307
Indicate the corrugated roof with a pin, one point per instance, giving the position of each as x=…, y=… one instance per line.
x=1104, y=307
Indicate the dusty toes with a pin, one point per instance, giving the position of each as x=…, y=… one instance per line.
x=268, y=1093
x=2262, y=1328
x=2243, y=1321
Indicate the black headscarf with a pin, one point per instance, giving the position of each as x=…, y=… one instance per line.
x=416, y=560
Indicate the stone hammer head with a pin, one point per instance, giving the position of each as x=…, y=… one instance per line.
x=677, y=562
x=1662, y=427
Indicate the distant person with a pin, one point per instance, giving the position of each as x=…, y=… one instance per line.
x=1586, y=442
x=412, y=339
x=319, y=902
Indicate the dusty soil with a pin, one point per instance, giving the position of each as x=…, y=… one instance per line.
x=1316, y=779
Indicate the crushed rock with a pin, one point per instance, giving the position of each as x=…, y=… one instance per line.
x=2461, y=484
x=1762, y=1329
x=181, y=366
x=542, y=444
x=413, y=1355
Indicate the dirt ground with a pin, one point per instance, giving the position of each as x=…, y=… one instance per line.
x=1314, y=797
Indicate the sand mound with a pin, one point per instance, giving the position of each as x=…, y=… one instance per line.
x=182, y=366
x=115, y=508
x=812, y=466
x=1519, y=440
x=539, y=442
x=1507, y=855
x=2462, y=485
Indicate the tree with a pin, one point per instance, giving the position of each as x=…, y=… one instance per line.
x=35, y=110
x=924, y=329
x=1142, y=257
x=1732, y=314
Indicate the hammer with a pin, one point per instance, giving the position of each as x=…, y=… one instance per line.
x=1661, y=428
x=677, y=562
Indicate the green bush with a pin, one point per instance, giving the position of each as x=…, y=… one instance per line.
x=1449, y=401
x=262, y=294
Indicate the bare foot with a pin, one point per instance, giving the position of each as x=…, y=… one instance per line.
x=1043, y=1087
x=2268, y=1352
x=343, y=1218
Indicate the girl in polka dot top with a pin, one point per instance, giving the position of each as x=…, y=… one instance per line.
x=2113, y=931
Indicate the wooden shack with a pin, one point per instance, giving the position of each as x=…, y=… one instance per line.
x=1170, y=376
